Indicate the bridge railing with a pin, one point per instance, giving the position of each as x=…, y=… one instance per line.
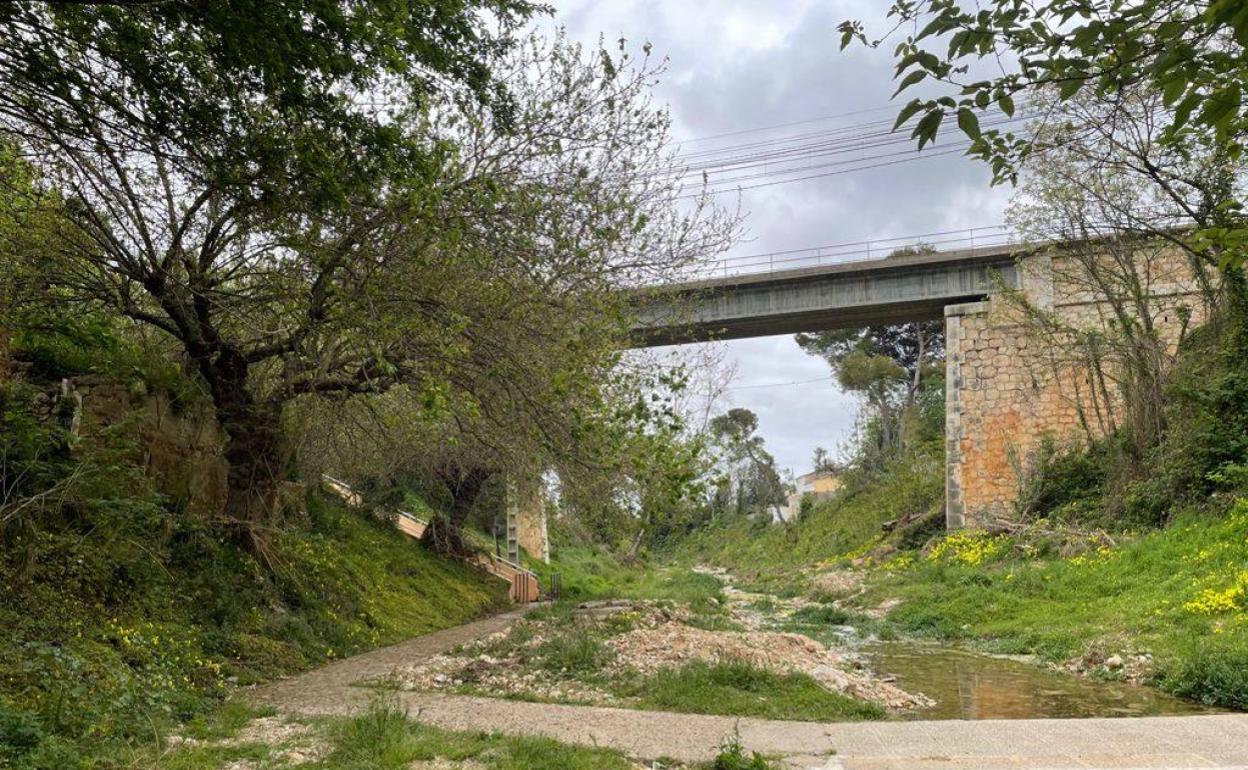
x=853, y=251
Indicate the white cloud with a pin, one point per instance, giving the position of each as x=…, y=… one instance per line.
x=743, y=64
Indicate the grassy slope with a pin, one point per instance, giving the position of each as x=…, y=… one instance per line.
x=110, y=643
x=774, y=556
x=589, y=573
x=1178, y=593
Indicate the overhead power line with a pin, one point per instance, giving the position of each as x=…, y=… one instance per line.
x=909, y=159
x=778, y=384
x=793, y=157
x=774, y=127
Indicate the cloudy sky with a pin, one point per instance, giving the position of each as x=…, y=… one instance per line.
x=740, y=65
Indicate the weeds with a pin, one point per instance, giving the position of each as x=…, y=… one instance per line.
x=732, y=756
x=1174, y=593
x=380, y=738
x=739, y=688
x=383, y=738
x=580, y=651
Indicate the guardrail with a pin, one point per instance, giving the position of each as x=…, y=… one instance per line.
x=853, y=251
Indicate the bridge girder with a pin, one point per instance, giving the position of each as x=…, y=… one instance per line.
x=882, y=291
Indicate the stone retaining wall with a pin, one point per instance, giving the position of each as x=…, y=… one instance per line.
x=180, y=450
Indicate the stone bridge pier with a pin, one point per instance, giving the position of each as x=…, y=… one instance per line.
x=1011, y=388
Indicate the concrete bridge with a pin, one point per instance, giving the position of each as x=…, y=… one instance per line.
x=1007, y=392
x=892, y=290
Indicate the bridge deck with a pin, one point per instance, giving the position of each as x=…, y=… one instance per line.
x=891, y=290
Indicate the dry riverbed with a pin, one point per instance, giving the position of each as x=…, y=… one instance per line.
x=728, y=656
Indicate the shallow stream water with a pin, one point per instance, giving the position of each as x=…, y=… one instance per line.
x=969, y=685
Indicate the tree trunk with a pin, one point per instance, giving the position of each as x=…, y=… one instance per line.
x=445, y=533
x=254, y=454
x=1236, y=288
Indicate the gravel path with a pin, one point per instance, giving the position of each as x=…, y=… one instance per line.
x=1214, y=741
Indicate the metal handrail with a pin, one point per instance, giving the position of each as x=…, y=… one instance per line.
x=399, y=511
x=853, y=251
x=408, y=515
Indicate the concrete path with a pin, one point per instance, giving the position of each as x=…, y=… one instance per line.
x=1212, y=741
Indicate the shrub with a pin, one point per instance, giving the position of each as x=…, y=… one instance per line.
x=1214, y=677
x=20, y=733
x=1061, y=479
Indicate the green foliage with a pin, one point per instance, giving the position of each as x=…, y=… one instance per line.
x=1214, y=675
x=53, y=344
x=776, y=556
x=367, y=275
x=821, y=622
x=897, y=369
x=748, y=482
x=656, y=483
x=1111, y=485
x=1192, y=58
x=212, y=92
x=732, y=756
x=580, y=651
x=827, y=615
x=862, y=372
x=383, y=738
x=126, y=623
x=740, y=688
x=589, y=571
x=1062, y=483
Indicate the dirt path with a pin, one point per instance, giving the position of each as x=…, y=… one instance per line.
x=326, y=690
x=1217, y=741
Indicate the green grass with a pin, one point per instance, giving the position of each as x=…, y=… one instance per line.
x=382, y=738
x=590, y=573
x=1158, y=592
x=777, y=558
x=738, y=688
x=580, y=651
x=575, y=649
x=819, y=622
x=111, y=637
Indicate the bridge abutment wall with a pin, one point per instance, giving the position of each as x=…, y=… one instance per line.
x=1017, y=378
